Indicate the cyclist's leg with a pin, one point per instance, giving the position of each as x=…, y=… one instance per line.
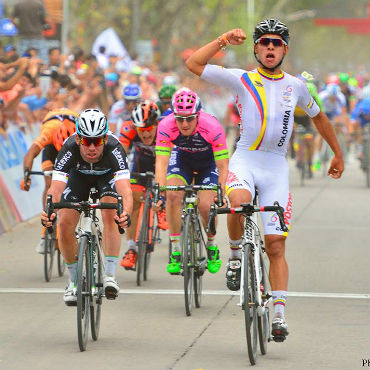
x=239, y=189
x=208, y=176
x=129, y=259
x=273, y=185
x=47, y=164
x=178, y=173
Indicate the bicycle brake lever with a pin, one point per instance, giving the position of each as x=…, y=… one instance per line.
x=280, y=214
x=49, y=211
x=211, y=225
x=119, y=211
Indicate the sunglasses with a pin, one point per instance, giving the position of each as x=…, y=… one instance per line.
x=265, y=41
x=87, y=141
x=187, y=118
x=141, y=129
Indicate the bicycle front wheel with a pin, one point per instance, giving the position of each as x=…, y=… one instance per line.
x=96, y=299
x=264, y=320
x=49, y=253
x=200, y=265
x=187, y=249
x=250, y=304
x=142, y=243
x=83, y=292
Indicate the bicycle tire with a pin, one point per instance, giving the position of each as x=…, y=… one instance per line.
x=95, y=307
x=83, y=292
x=264, y=321
x=49, y=253
x=250, y=307
x=199, y=260
x=151, y=243
x=142, y=242
x=187, y=251
x=61, y=264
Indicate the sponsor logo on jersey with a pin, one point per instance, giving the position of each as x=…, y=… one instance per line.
x=120, y=160
x=284, y=131
x=164, y=134
x=288, y=211
x=258, y=83
x=231, y=177
x=63, y=161
x=217, y=137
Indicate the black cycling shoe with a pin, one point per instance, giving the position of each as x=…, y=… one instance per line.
x=279, y=329
x=233, y=274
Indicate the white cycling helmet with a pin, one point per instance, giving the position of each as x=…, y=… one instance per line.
x=92, y=123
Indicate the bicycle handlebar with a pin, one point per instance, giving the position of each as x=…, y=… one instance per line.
x=246, y=209
x=85, y=206
x=188, y=188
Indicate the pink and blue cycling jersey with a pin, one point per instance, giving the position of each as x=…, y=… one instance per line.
x=207, y=142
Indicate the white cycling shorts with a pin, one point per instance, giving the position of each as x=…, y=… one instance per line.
x=269, y=173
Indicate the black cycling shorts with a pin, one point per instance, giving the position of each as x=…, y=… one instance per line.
x=79, y=185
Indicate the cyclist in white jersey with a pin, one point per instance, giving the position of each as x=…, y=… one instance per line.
x=266, y=98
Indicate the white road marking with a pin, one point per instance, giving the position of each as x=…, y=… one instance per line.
x=180, y=292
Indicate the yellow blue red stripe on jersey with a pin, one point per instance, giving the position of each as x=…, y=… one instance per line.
x=266, y=75
x=253, y=82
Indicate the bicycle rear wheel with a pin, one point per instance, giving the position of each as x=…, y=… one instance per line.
x=264, y=320
x=96, y=299
x=142, y=243
x=187, y=249
x=61, y=264
x=250, y=307
x=49, y=253
x=83, y=292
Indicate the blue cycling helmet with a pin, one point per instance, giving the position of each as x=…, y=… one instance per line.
x=131, y=92
x=332, y=89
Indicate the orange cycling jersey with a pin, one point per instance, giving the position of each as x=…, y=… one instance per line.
x=50, y=124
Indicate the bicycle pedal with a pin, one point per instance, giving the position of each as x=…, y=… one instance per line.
x=71, y=304
x=279, y=338
x=110, y=295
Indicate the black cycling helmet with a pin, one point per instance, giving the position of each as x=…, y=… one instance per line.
x=271, y=26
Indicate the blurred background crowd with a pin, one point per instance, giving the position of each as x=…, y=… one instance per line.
x=82, y=54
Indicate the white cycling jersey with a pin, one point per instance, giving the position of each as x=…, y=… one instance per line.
x=266, y=105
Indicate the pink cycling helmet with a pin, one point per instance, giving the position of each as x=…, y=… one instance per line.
x=185, y=101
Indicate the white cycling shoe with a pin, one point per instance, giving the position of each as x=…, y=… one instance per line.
x=111, y=287
x=70, y=298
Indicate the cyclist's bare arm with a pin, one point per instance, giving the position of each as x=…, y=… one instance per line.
x=31, y=154
x=199, y=59
x=326, y=130
x=222, y=166
x=161, y=166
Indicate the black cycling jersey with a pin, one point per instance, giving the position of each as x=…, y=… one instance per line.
x=113, y=159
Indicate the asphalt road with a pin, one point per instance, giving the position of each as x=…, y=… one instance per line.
x=146, y=327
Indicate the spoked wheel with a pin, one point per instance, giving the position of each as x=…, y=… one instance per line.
x=61, y=264
x=49, y=253
x=142, y=243
x=153, y=239
x=187, y=261
x=96, y=301
x=264, y=320
x=250, y=306
x=83, y=292
x=199, y=268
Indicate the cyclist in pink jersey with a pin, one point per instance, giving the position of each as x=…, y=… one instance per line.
x=267, y=97
x=199, y=154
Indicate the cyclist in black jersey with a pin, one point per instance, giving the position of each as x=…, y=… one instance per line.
x=93, y=157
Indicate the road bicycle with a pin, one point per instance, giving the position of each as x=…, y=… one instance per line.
x=254, y=296
x=88, y=284
x=51, y=240
x=193, y=241
x=303, y=154
x=147, y=231
x=365, y=162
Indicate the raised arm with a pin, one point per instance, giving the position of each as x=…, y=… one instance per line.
x=197, y=61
